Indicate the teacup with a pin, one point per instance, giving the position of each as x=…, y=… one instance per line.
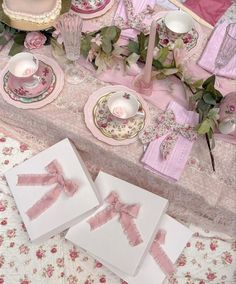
x=24, y=66
x=178, y=23
x=227, y=120
x=123, y=105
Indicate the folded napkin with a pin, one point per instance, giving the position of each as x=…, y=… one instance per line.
x=207, y=60
x=173, y=166
x=138, y=6
x=210, y=10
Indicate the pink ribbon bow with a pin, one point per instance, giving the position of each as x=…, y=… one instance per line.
x=55, y=175
x=159, y=255
x=126, y=215
x=166, y=124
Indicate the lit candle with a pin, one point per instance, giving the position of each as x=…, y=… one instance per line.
x=147, y=74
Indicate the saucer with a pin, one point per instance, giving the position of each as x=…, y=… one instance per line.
x=45, y=73
x=29, y=99
x=88, y=9
x=108, y=128
x=42, y=98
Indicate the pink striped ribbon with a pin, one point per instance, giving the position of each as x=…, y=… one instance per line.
x=55, y=175
x=126, y=215
x=159, y=255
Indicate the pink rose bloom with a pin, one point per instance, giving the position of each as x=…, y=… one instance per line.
x=34, y=40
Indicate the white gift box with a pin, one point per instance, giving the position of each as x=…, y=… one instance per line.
x=109, y=242
x=177, y=236
x=66, y=210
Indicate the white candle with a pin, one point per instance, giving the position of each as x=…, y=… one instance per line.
x=147, y=74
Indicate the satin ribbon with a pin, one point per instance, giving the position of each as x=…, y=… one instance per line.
x=56, y=176
x=159, y=255
x=166, y=124
x=126, y=215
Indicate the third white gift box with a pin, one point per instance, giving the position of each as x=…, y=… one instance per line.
x=176, y=237
x=67, y=209
x=110, y=241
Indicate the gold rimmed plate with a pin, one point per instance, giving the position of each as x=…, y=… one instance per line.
x=108, y=128
x=116, y=128
x=30, y=26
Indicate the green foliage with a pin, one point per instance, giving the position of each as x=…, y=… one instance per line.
x=133, y=47
x=85, y=45
x=207, y=99
x=16, y=48
x=19, y=38
x=110, y=35
x=1, y=28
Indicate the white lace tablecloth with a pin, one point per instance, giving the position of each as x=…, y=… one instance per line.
x=208, y=257
x=200, y=196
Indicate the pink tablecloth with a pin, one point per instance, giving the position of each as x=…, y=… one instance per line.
x=208, y=257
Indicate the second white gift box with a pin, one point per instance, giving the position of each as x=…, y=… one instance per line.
x=122, y=230
x=53, y=190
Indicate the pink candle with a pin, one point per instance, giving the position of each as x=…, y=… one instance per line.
x=147, y=74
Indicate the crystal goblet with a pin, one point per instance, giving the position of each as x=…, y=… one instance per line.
x=70, y=26
x=228, y=47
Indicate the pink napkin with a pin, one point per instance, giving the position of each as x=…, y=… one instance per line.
x=207, y=60
x=139, y=6
x=173, y=166
x=210, y=10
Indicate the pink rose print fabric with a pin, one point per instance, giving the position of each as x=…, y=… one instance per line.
x=208, y=258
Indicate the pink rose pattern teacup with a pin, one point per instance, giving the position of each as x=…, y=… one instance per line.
x=24, y=66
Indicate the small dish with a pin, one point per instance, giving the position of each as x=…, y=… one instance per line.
x=39, y=96
x=88, y=9
x=45, y=75
x=123, y=105
x=109, y=128
x=39, y=99
x=178, y=23
x=114, y=127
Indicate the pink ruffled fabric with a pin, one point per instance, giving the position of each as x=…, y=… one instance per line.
x=209, y=10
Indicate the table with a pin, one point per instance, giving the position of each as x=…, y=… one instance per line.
x=202, y=197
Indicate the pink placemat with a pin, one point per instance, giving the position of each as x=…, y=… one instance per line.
x=98, y=132
x=47, y=97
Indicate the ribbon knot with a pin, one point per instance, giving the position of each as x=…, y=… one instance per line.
x=126, y=214
x=159, y=255
x=167, y=125
x=56, y=176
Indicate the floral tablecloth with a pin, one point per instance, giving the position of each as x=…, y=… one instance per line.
x=208, y=257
